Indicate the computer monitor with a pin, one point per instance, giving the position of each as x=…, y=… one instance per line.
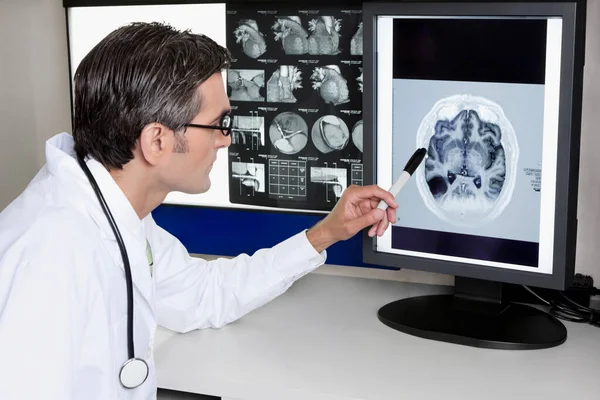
x=493, y=91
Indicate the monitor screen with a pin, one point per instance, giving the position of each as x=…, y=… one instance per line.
x=481, y=95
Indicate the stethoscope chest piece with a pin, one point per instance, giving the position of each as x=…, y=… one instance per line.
x=133, y=373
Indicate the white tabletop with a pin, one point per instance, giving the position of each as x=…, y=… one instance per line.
x=321, y=340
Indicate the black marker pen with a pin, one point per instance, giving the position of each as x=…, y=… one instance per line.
x=409, y=169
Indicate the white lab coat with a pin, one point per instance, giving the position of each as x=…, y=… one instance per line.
x=63, y=306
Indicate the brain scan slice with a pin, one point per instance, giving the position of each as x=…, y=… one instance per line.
x=472, y=153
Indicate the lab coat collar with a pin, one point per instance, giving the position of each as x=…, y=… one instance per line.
x=62, y=162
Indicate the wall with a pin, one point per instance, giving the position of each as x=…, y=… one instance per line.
x=34, y=84
x=34, y=105
x=588, y=240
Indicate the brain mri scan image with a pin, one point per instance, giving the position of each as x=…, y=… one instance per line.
x=469, y=174
x=292, y=35
x=281, y=85
x=330, y=133
x=331, y=85
x=324, y=38
x=252, y=40
x=288, y=132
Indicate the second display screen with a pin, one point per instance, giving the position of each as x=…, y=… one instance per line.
x=295, y=88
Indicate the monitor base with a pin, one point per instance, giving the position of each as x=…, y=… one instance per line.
x=467, y=321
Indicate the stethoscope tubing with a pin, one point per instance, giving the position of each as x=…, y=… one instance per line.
x=127, y=266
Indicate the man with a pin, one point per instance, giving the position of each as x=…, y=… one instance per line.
x=151, y=112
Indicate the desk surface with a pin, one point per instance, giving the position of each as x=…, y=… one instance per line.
x=321, y=340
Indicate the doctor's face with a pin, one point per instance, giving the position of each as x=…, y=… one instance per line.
x=195, y=152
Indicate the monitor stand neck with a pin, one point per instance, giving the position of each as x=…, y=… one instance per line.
x=479, y=296
x=476, y=314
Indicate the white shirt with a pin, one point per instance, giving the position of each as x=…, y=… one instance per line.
x=63, y=305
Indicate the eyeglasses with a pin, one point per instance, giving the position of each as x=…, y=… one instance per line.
x=224, y=125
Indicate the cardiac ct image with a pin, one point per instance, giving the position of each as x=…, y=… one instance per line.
x=330, y=133
x=469, y=173
x=282, y=83
x=357, y=135
x=292, y=35
x=356, y=43
x=288, y=132
x=250, y=175
x=252, y=40
x=321, y=38
x=331, y=85
x=334, y=180
x=246, y=84
x=325, y=37
x=248, y=130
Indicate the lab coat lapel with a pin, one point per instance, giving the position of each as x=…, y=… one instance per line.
x=129, y=225
x=63, y=164
x=131, y=228
x=140, y=271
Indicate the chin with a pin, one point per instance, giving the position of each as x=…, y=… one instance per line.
x=202, y=188
x=194, y=186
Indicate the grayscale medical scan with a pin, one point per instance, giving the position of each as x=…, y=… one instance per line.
x=295, y=89
x=483, y=133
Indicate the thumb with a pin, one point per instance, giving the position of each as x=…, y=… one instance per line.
x=368, y=219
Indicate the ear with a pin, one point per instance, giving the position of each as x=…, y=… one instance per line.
x=154, y=142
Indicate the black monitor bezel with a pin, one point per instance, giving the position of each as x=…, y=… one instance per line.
x=573, y=15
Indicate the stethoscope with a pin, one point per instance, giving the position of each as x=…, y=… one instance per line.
x=135, y=370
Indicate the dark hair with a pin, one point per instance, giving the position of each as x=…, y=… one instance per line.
x=139, y=74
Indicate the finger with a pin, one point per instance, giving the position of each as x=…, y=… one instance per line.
x=373, y=230
x=369, y=204
x=392, y=215
x=378, y=228
x=370, y=218
x=366, y=206
x=382, y=226
x=374, y=191
x=374, y=202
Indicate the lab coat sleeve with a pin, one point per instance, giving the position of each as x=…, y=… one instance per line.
x=193, y=293
x=53, y=308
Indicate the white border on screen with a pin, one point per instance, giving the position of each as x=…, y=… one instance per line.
x=88, y=25
x=384, y=76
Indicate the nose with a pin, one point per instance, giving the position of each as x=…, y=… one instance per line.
x=223, y=141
